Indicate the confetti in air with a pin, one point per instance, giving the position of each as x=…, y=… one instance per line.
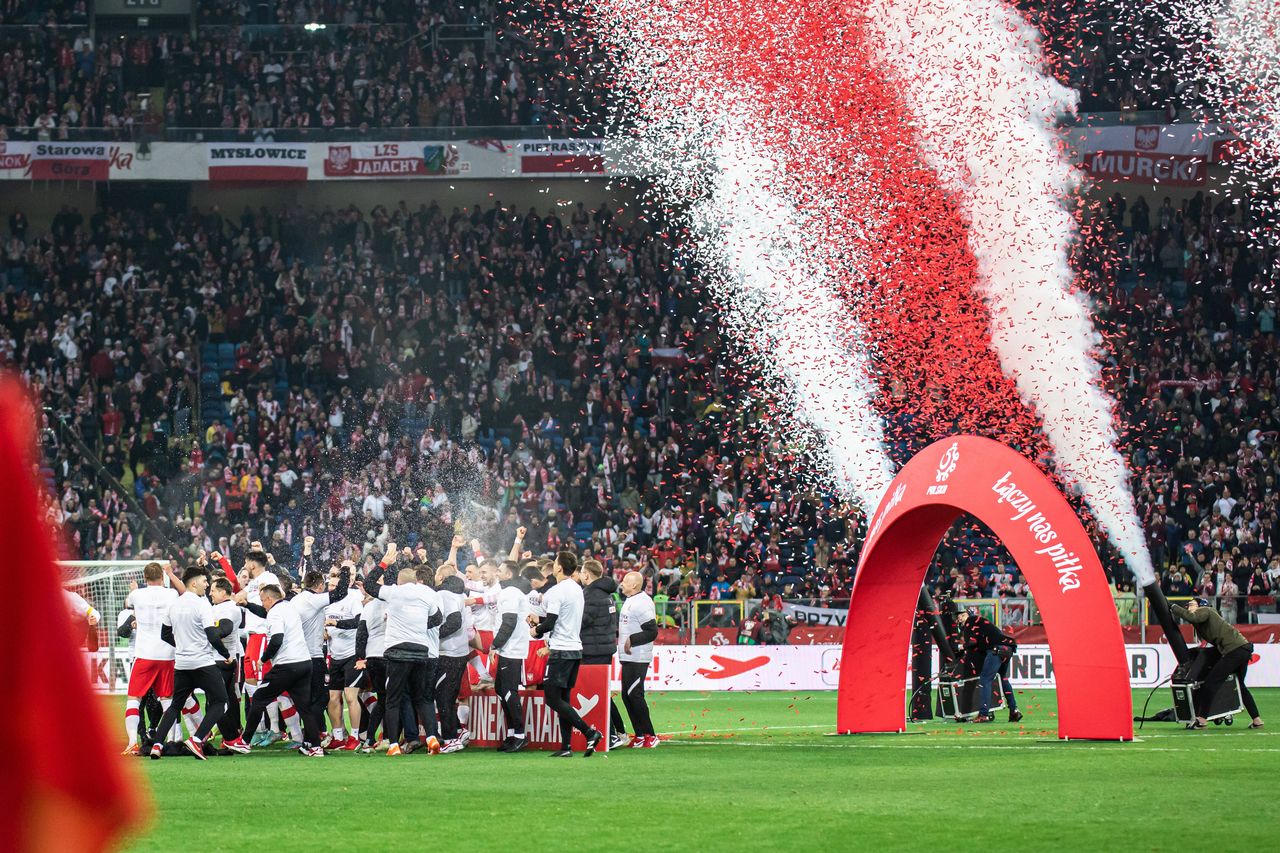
x=1228, y=63
x=780, y=306
x=881, y=180
x=996, y=148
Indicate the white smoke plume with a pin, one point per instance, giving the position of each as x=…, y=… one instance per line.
x=779, y=303
x=771, y=278
x=971, y=72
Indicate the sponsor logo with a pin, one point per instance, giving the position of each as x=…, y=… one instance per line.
x=120, y=160
x=946, y=467
x=563, y=146
x=948, y=463
x=584, y=704
x=440, y=158
x=78, y=151
x=830, y=671
x=1035, y=665
x=719, y=639
x=730, y=667
x=12, y=160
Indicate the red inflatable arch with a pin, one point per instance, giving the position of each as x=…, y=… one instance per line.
x=1034, y=521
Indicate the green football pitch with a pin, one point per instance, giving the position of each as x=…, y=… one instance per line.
x=743, y=771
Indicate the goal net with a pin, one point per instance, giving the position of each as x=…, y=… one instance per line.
x=105, y=584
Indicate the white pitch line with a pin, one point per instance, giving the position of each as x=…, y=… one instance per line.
x=743, y=729
x=1066, y=745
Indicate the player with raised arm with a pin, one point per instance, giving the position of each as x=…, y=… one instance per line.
x=413, y=645
x=342, y=620
x=454, y=652
x=286, y=650
x=370, y=647
x=190, y=627
x=256, y=577
x=510, y=647
x=318, y=592
x=153, y=660
x=483, y=594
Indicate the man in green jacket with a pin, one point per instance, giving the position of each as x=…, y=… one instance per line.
x=1229, y=652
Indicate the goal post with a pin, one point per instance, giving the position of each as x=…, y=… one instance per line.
x=105, y=584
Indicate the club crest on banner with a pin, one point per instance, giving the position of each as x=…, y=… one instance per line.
x=339, y=159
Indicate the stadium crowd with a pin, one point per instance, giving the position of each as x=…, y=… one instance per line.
x=254, y=69
x=287, y=81
x=391, y=374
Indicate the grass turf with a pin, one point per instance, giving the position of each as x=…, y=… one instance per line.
x=743, y=770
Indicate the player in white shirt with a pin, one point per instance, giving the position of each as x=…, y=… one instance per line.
x=318, y=592
x=189, y=626
x=413, y=646
x=561, y=626
x=455, y=650
x=254, y=577
x=637, y=629
x=153, y=657
x=82, y=613
x=342, y=618
x=229, y=617
x=286, y=650
x=510, y=646
x=371, y=644
x=483, y=590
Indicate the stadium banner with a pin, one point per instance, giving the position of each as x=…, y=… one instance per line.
x=803, y=614
x=1177, y=155
x=77, y=161
x=591, y=699
x=1171, y=155
x=561, y=156
x=727, y=667
x=381, y=160
x=15, y=159
x=257, y=161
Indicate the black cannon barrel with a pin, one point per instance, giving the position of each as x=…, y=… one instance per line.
x=1160, y=606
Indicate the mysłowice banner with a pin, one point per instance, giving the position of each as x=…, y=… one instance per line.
x=257, y=161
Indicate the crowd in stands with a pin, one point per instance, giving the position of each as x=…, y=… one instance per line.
x=393, y=373
x=290, y=82
x=396, y=373
x=255, y=71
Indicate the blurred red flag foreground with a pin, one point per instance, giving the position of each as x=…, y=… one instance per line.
x=61, y=785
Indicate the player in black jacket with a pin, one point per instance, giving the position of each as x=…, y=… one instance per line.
x=994, y=648
x=599, y=630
